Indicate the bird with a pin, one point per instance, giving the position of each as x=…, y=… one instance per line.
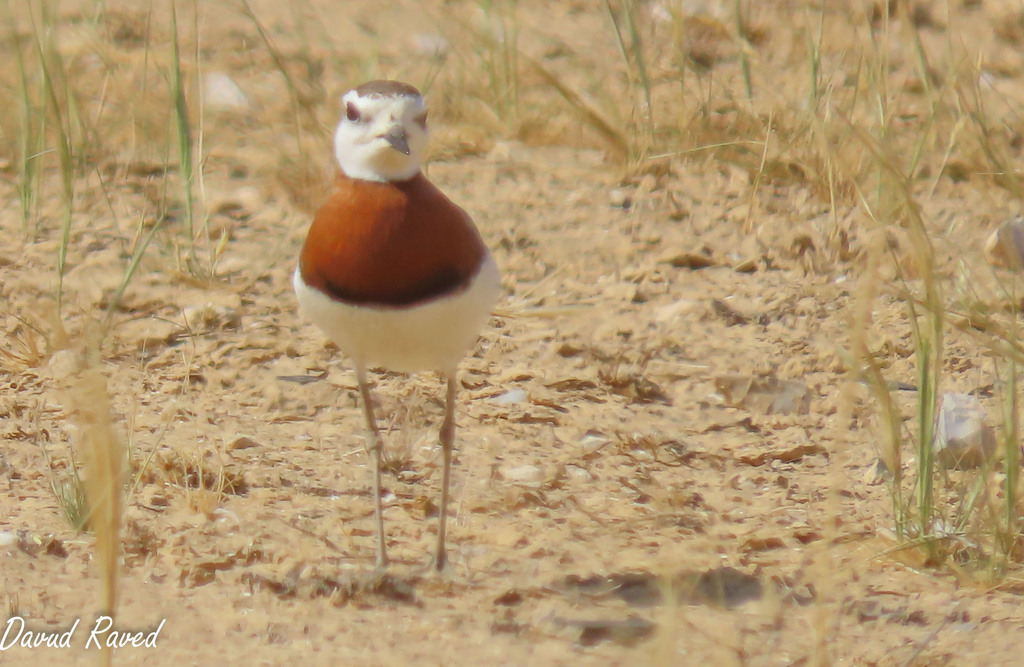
x=392, y=271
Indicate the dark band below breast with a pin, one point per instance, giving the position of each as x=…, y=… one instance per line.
x=444, y=283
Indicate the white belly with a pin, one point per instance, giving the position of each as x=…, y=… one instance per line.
x=433, y=336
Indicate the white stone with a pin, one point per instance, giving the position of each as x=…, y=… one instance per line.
x=221, y=93
x=511, y=396
x=963, y=439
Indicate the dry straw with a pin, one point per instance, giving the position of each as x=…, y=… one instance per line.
x=103, y=456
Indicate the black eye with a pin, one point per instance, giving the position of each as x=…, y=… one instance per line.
x=351, y=112
x=422, y=120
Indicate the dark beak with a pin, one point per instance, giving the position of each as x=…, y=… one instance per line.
x=398, y=139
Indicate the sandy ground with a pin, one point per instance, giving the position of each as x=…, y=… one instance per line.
x=617, y=498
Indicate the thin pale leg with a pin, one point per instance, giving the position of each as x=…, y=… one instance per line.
x=447, y=438
x=375, y=450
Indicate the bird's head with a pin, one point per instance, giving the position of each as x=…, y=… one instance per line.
x=382, y=135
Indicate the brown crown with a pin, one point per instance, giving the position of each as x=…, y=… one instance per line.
x=386, y=88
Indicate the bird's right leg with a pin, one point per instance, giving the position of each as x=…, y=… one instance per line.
x=375, y=450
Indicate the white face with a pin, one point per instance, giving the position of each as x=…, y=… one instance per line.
x=381, y=137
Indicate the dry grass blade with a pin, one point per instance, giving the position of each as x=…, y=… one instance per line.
x=54, y=75
x=635, y=62
x=185, y=142
x=899, y=207
x=590, y=114
x=104, y=467
x=587, y=111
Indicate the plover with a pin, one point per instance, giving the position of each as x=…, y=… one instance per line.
x=392, y=271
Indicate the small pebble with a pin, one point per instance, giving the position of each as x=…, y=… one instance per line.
x=221, y=93
x=510, y=397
